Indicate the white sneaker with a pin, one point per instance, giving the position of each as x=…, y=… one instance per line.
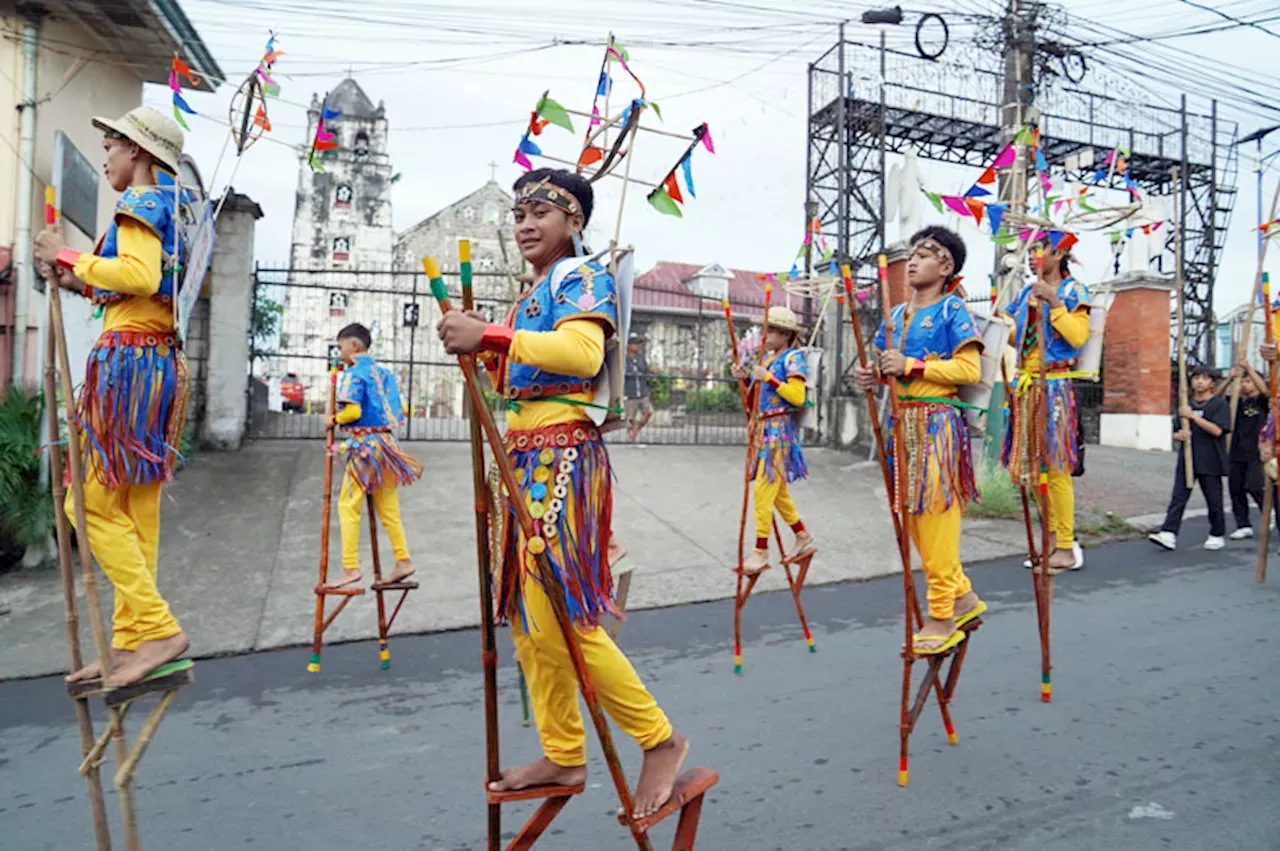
x=1168, y=540
x=1241, y=533
x=1214, y=542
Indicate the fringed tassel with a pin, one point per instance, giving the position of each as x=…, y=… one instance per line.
x=939, y=458
x=1022, y=442
x=375, y=459
x=780, y=450
x=133, y=409
x=576, y=527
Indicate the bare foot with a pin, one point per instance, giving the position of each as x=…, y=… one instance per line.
x=803, y=544
x=966, y=603
x=349, y=576
x=93, y=670
x=756, y=562
x=404, y=569
x=934, y=634
x=149, y=656
x=1062, y=560
x=544, y=772
x=658, y=775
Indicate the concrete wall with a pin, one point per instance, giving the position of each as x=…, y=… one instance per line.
x=75, y=92
x=230, y=304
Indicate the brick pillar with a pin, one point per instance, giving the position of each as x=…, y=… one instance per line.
x=1135, y=358
x=897, y=255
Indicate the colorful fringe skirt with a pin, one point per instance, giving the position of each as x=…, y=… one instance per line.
x=566, y=484
x=939, y=459
x=373, y=458
x=1023, y=437
x=133, y=408
x=780, y=452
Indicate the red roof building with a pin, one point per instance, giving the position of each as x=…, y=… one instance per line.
x=665, y=289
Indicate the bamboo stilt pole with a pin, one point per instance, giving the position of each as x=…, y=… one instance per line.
x=1040, y=575
x=1257, y=290
x=124, y=774
x=554, y=592
x=1273, y=377
x=484, y=565
x=84, y=719
x=326, y=513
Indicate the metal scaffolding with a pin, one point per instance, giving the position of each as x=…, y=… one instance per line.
x=866, y=101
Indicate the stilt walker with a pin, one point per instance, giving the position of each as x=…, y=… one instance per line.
x=774, y=459
x=136, y=365
x=927, y=462
x=1268, y=436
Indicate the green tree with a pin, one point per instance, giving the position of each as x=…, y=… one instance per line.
x=264, y=323
x=26, y=509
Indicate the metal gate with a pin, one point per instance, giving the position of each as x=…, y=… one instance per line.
x=297, y=314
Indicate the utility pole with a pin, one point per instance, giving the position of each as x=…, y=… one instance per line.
x=1017, y=111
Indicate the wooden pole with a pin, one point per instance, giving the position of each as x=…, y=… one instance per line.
x=484, y=561
x=1257, y=290
x=1179, y=245
x=1268, y=499
x=536, y=546
x=1041, y=578
x=93, y=601
x=326, y=505
x=84, y=719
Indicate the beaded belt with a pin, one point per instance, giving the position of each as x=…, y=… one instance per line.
x=111, y=339
x=768, y=415
x=556, y=436
x=537, y=391
x=362, y=431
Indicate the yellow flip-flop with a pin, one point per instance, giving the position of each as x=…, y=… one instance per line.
x=975, y=612
x=955, y=638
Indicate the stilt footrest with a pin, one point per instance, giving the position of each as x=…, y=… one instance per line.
x=395, y=586
x=686, y=797
x=553, y=798
x=169, y=676
x=345, y=591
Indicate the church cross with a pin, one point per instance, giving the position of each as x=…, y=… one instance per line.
x=493, y=170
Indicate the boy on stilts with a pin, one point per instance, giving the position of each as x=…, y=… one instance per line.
x=547, y=367
x=132, y=405
x=375, y=465
x=783, y=374
x=1068, y=330
x=940, y=351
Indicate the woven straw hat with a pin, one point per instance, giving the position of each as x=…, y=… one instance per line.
x=151, y=130
x=783, y=318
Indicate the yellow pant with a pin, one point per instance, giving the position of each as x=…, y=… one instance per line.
x=770, y=495
x=124, y=536
x=553, y=686
x=1062, y=507
x=937, y=538
x=386, y=502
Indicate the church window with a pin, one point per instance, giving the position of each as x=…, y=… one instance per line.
x=468, y=214
x=337, y=304
x=342, y=248
x=490, y=214
x=361, y=147
x=342, y=196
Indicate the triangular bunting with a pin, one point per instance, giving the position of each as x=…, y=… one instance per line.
x=935, y=199
x=976, y=191
x=957, y=205
x=1041, y=164
x=995, y=213
x=180, y=67
x=605, y=84
x=528, y=146
x=976, y=207
x=988, y=177
x=329, y=114
x=521, y=160
x=704, y=135
x=260, y=119
x=686, y=165
x=177, y=116
x=553, y=112
x=673, y=188
x=180, y=103
x=663, y=203
x=1006, y=158
x=590, y=156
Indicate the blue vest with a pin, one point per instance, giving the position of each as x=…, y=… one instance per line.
x=373, y=387
x=155, y=207
x=574, y=289
x=1072, y=294
x=784, y=366
x=936, y=332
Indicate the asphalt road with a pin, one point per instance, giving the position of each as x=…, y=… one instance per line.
x=1163, y=731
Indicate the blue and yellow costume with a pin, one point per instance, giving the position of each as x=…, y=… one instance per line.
x=132, y=405
x=943, y=351
x=1067, y=330
x=548, y=375
x=780, y=460
x=374, y=462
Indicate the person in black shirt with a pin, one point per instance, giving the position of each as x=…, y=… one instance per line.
x=636, y=384
x=1209, y=419
x=1244, y=474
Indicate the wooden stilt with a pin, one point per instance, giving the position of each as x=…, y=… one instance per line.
x=545, y=570
x=1040, y=573
x=326, y=503
x=84, y=718
x=380, y=588
x=1273, y=377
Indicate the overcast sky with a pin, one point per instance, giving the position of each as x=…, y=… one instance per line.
x=459, y=80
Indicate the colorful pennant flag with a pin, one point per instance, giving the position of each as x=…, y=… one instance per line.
x=664, y=203
x=686, y=165
x=552, y=112
x=325, y=139
x=180, y=104
x=260, y=119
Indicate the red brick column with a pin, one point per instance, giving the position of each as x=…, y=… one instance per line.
x=898, y=290
x=1135, y=358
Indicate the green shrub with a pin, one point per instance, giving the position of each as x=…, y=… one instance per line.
x=26, y=509
x=723, y=398
x=660, y=383
x=999, y=496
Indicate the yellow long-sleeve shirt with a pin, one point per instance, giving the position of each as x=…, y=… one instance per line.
x=942, y=377
x=1070, y=325
x=575, y=347
x=135, y=271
